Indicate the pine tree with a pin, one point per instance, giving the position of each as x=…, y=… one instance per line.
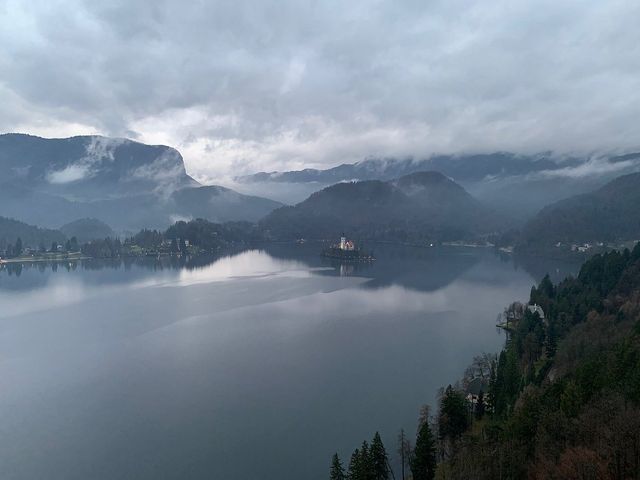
x=423, y=462
x=453, y=419
x=355, y=466
x=379, y=459
x=337, y=470
x=366, y=463
x=17, y=250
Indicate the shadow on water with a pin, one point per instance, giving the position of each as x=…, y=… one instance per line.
x=417, y=268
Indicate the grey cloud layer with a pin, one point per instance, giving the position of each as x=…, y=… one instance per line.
x=260, y=85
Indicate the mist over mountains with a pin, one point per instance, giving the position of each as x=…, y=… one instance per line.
x=126, y=184
x=93, y=187
x=516, y=185
x=416, y=207
x=608, y=214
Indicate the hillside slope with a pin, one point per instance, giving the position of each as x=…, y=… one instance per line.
x=611, y=213
x=563, y=398
x=31, y=236
x=126, y=184
x=424, y=205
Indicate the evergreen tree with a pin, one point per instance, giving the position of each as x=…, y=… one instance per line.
x=379, y=459
x=454, y=418
x=17, y=250
x=337, y=470
x=355, y=466
x=423, y=462
x=366, y=463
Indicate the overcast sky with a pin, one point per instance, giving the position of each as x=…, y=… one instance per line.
x=241, y=86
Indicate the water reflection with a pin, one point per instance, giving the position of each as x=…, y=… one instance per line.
x=150, y=368
x=413, y=267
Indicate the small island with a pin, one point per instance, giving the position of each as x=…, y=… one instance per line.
x=346, y=250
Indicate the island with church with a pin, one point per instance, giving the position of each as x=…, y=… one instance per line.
x=348, y=251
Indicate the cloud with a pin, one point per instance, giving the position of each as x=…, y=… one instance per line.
x=274, y=85
x=72, y=173
x=98, y=150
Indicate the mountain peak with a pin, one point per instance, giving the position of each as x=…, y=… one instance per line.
x=127, y=184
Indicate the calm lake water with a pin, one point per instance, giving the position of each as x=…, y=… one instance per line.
x=255, y=366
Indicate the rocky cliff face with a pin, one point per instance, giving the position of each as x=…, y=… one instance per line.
x=127, y=184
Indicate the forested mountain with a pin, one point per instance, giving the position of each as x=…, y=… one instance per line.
x=608, y=214
x=423, y=205
x=30, y=236
x=563, y=397
x=86, y=229
x=124, y=183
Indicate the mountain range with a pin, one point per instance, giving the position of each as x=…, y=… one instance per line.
x=126, y=184
x=416, y=207
x=516, y=185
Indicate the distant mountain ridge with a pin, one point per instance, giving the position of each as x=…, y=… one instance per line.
x=462, y=168
x=126, y=184
x=516, y=185
x=609, y=213
x=459, y=167
x=423, y=205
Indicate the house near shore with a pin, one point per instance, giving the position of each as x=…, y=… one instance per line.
x=475, y=387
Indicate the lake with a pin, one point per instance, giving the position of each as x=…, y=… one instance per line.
x=259, y=365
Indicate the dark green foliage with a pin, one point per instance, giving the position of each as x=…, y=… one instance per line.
x=423, y=462
x=453, y=418
x=337, y=470
x=379, y=459
x=355, y=471
x=212, y=236
x=564, y=396
x=107, y=248
x=147, y=238
x=369, y=462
